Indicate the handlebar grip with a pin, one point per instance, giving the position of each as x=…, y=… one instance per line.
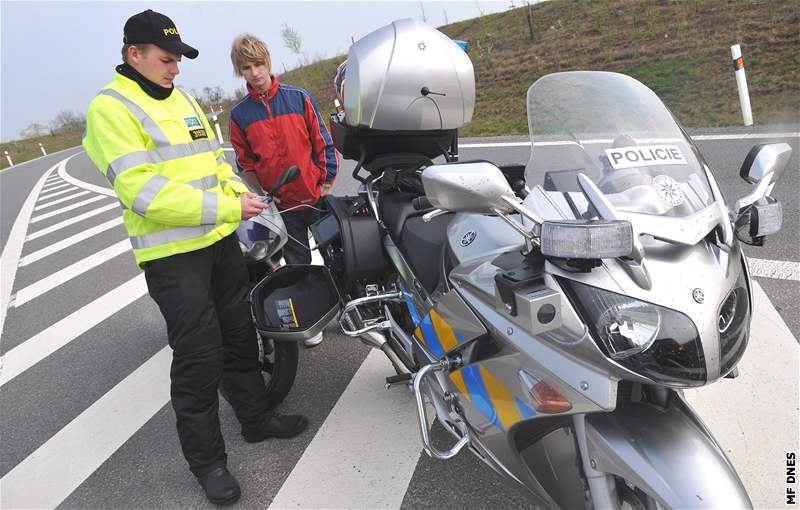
x=421, y=203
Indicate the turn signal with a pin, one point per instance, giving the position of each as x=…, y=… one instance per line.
x=544, y=397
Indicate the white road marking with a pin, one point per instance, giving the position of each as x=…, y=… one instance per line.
x=48, y=283
x=43, y=344
x=62, y=172
x=9, y=261
x=60, y=200
x=57, y=193
x=754, y=417
x=49, y=187
x=746, y=136
x=67, y=208
x=51, y=473
x=365, y=453
x=69, y=241
x=71, y=221
x=743, y=136
x=780, y=269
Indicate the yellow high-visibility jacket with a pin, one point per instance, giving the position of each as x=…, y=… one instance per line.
x=161, y=157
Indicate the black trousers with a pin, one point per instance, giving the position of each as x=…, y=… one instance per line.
x=202, y=296
x=297, y=222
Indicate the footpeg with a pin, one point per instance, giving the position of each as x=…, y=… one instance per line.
x=394, y=380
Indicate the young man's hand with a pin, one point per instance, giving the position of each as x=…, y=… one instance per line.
x=326, y=188
x=251, y=205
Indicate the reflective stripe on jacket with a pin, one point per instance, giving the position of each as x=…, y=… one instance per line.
x=166, y=167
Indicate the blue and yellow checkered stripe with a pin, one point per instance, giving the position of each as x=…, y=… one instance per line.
x=437, y=334
x=490, y=396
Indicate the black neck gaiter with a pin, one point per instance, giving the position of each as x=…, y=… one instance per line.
x=152, y=89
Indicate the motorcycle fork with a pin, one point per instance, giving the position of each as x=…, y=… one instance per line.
x=602, y=486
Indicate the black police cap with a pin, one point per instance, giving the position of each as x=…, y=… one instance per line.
x=151, y=27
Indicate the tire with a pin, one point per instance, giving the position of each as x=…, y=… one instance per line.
x=279, y=367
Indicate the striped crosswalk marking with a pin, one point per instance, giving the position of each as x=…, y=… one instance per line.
x=52, y=281
x=32, y=351
x=57, y=193
x=61, y=200
x=47, y=476
x=69, y=241
x=71, y=221
x=70, y=207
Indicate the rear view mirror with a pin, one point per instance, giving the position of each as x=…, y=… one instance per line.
x=295, y=302
x=758, y=220
x=762, y=167
x=469, y=187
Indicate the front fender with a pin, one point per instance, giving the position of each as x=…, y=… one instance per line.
x=668, y=453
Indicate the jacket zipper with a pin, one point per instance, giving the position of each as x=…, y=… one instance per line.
x=266, y=104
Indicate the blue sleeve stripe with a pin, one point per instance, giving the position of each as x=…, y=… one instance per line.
x=330, y=154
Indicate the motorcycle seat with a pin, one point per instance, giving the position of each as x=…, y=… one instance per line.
x=395, y=209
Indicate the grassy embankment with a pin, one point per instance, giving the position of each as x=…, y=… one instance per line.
x=679, y=49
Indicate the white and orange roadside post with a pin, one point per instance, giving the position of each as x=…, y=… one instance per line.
x=741, y=83
x=41, y=148
x=10, y=163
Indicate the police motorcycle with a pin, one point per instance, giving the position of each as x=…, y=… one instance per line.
x=549, y=316
x=261, y=239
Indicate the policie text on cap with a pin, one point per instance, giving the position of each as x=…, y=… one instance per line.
x=155, y=28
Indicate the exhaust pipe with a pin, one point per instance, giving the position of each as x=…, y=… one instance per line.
x=378, y=341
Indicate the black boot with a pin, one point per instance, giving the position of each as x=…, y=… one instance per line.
x=280, y=426
x=220, y=486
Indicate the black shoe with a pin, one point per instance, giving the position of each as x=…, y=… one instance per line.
x=280, y=426
x=220, y=486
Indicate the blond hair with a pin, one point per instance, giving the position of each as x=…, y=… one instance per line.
x=249, y=48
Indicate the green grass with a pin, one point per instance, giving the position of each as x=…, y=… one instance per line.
x=24, y=150
x=680, y=49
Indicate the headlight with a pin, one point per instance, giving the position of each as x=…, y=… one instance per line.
x=733, y=321
x=656, y=342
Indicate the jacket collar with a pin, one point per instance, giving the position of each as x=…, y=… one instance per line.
x=150, y=88
x=258, y=96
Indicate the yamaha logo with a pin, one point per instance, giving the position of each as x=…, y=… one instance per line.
x=421, y=45
x=698, y=295
x=467, y=238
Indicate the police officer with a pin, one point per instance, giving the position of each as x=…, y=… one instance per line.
x=181, y=206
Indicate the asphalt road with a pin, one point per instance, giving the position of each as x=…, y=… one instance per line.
x=84, y=415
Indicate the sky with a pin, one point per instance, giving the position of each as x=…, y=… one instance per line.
x=56, y=56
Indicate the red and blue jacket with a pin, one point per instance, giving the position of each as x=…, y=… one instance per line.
x=274, y=130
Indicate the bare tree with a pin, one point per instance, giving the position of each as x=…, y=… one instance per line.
x=485, y=50
x=446, y=21
x=479, y=8
x=67, y=120
x=33, y=130
x=292, y=39
x=422, y=11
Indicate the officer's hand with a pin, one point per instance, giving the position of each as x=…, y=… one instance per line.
x=251, y=205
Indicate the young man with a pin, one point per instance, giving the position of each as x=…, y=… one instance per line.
x=274, y=127
x=182, y=204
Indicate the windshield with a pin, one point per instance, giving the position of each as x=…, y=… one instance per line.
x=618, y=133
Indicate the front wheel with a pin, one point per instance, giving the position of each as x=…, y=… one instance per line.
x=278, y=366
